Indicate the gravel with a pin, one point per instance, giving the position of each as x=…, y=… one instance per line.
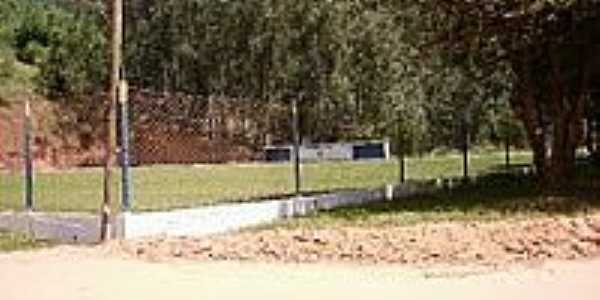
x=494, y=243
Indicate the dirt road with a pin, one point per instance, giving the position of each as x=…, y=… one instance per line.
x=71, y=273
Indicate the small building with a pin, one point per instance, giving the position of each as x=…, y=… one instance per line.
x=315, y=152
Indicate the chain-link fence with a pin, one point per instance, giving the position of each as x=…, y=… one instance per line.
x=192, y=150
x=189, y=151
x=11, y=160
x=45, y=166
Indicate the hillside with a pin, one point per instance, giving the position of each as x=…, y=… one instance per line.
x=16, y=85
x=53, y=145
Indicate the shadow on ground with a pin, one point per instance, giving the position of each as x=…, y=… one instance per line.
x=502, y=192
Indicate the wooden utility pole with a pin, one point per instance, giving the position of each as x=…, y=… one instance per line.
x=116, y=40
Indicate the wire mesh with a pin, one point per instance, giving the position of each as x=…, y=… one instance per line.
x=66, y=176
x=11, y=160
x=189, y=151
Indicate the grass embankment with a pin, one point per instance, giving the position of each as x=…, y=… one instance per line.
x=164, y=187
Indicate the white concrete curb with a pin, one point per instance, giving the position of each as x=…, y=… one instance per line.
x=80, y=228
x=231, y=217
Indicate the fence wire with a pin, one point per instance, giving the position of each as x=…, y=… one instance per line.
x=11, y=161
x=65, y=175
x=189, y=151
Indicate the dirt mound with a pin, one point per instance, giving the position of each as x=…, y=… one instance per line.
x=53, y=146
x=452, y=243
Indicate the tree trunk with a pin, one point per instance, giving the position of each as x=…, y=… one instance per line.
x=564, y=144
x=553, y=116
x=553, y=143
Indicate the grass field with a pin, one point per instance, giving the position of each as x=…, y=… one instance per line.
x=12, y=242
x=493, y=197
x=167, y=187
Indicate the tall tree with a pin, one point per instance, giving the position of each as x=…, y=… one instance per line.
x=547, y=49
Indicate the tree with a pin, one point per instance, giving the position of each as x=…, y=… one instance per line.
x=547, y=49
x=356, y=67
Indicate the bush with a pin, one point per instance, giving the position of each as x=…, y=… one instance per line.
x=74, y=64
x=33, y=53
x=32, y=36
x=7, y=64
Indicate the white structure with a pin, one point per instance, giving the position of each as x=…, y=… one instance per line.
x=331, y=151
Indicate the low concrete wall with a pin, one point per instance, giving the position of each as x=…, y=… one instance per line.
x=64, y=228
x=76, y=228
x=200, y=221
x=225, y=218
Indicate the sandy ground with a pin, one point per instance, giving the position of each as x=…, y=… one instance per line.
x=96, y=273
x=496, y=243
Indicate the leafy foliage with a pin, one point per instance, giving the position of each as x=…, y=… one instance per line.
x=357, y=67
x=544, y=51
x=64, y=40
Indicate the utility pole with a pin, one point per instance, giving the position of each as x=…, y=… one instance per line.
x=116, y=40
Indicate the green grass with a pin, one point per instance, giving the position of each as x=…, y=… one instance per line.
x=492, y=197
x=13, y=242
x=167, y=187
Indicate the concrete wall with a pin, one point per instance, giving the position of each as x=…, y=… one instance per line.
x=64, y=228
x=74, y=228
x=225, y=218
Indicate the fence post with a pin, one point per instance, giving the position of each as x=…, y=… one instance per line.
x=594, y=135
x=401, y=152
x=507, y=152
x=296, y=137
x=28, y=159
x=466, y=140
x=126, y=186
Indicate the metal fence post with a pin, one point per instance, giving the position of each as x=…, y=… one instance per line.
x=28, y=159
x=296, y=137
x=465, y=150
x=401, y=152
x=594, y=135
x=507, y=152
x=126, y=178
